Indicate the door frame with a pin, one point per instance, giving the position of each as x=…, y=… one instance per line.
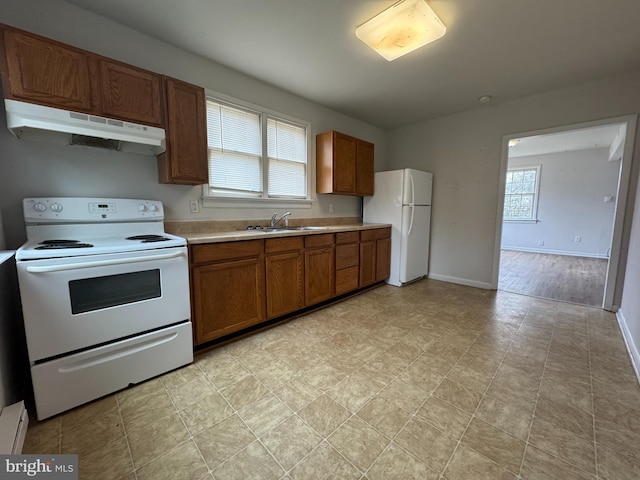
x=615, y=256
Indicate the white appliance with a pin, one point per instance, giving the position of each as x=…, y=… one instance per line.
x=105, y=297
x=403, y=199
x=37, y=122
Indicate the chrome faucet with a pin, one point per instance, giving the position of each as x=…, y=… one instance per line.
x=284, y=216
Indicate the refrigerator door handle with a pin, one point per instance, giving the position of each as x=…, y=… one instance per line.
x=413, y=210
x=413, y=192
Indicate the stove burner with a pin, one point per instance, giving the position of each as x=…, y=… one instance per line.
x=59, y=244
x=148, y=238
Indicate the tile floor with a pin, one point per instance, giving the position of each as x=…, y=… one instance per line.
x=430, y=381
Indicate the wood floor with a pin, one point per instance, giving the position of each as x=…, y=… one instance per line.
x=558, y=277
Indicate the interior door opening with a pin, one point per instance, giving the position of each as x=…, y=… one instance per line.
x=563, y=193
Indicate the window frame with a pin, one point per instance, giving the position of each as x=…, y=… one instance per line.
x=242, y=201
x=536, y=194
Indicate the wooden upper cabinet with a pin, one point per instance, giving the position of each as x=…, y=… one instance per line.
x=185, y=160
x=364, y=168
x=344, y=164
x=40, y=70
x=43, y=71
x=131, y=93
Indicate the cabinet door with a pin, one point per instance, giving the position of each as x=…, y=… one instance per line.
x=367, y=262
x=344, y=158
x=364, y=168
x=319, y=275
x=285, y=283
x=130, y=93
x=227, y=297
x=46, y=72
x=383, y=258
x=185, y=160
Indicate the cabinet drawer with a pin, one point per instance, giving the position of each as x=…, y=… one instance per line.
x=347, y=256
x=324, y=240
x=283, y=244
x=347, y=237
x=375, y=234
x=346, y=280
x=213, y=252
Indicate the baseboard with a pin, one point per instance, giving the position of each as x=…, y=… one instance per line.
x=554, y=252
x=628, y=340
x=460, y=281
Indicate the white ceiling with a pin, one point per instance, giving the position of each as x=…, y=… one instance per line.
x=503, y=48
x=579, y=139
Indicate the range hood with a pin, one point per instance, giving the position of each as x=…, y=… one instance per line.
x=37, y=122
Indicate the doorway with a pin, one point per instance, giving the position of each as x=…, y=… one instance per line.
x=563, y=193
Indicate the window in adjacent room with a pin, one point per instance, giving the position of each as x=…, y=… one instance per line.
x=255, y=154
x=521, y=193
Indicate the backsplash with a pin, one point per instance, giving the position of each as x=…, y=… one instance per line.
x=177, y=228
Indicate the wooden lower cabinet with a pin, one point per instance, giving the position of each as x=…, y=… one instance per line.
x=227, y=283
x=375, y=255
x=235, y=285
x=319, y=268
x=284, y=267
x=367, y=263
x=383, y=258
x=347, y=261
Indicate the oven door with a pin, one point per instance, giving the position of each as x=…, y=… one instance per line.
x=73, y=303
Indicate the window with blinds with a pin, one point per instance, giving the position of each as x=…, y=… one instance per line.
x=255, y=154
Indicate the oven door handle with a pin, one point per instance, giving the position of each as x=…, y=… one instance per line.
x=101, y=263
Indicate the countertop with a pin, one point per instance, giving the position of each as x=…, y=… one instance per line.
x=235, y=235
x=6, y=255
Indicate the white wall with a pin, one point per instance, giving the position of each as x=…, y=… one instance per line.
x=464, y=153
x=629, y=313
x=32, y=168
x=571, y=203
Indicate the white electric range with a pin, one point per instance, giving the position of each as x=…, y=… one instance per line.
x=105, y=297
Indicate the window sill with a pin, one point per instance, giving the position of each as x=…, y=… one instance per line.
x=234, y=202
x=521, y=221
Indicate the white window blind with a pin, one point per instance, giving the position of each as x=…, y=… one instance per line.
x=235, y=150
x=287, y=153
x=255, y=154
x=521, y=193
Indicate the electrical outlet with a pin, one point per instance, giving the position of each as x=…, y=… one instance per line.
x=194, y=206
x=540, y=243
x=331, y=208
x=578, y=239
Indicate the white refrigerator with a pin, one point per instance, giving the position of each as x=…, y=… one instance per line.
x=403, y=199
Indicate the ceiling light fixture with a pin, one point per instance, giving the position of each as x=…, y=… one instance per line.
x=513, y=142
x=484, y=99
x=401, y=28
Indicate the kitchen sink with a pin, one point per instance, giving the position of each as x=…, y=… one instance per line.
x=287, y=229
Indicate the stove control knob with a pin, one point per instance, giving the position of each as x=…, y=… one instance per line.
x=153, y=208
x=56, y=207
x=39, y=207
x=142, y=207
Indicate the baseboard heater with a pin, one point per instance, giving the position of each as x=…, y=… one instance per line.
x=13, y=428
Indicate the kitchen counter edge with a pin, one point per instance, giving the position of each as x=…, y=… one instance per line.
x=239, y=235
